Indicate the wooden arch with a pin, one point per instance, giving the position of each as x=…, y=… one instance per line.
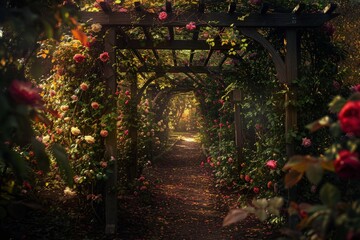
x=249, y=25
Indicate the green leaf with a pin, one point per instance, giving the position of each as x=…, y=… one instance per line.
x=2, y=213
x=318, y=124
x=335, y=129
x=336, y=104
x=18, y=164
x=40, y=154
x=314, y=173
x=62, y=159
x=329, y=195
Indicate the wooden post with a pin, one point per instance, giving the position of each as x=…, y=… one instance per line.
x=110, y=141
x=239, y=135
x=133, y=129
x=291, y=64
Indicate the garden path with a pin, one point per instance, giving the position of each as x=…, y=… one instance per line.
x=185, y=201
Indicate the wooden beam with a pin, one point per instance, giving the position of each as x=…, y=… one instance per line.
x=125, y=40
x=218, y=19
x=195, y=37
x=171, y=30
x=111, y=139
x=150, y=39
x=237, y=98
x=181, y=69
x=211, y=51
x=222, y=60
x=105, y=6
x=277, y=59
x=232, y=7
x=291, y=63
x=173, y=45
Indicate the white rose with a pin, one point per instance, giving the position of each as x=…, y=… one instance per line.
x=89, y=139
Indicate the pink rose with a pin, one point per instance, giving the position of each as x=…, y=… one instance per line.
x=95, y=105
x=84, y=86
x=74, y=97
x=347, y=165
x=356, y=88
x=127, y=92
x=256, y=190
x=269, y=185
x=272, y=164
x=123, y=10
x=163, y=16
x=190, y=26
x=306, y=142
x=104, y=133
x=103, y=164
x=126, y=132
x=104, y=57
x=247, y=178
x=79, y=58
x=24, y=93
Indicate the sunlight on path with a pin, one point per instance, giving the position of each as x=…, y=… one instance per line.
x=185, y=201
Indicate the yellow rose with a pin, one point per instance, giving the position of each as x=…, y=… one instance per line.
x=89, y=139
x=96, y=27
x=75, y=131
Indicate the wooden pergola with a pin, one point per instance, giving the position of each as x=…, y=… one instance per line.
x=249, y=25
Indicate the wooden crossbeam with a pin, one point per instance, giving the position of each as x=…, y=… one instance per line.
x=223, y=59
x=173, y=45
x=181, y=69
x=211, y=51
x=136, y=19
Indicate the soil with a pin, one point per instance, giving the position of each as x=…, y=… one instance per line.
x=186, y=205
x=182, y=205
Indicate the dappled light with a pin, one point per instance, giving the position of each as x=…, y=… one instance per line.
x=179, y=119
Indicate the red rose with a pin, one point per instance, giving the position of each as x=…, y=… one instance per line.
x=104, y=57
x=95, y=105
x=104, y=133
x=24, y=93
x=347, y=165
x=349, y=118
x=256, y=190
x=79, y=58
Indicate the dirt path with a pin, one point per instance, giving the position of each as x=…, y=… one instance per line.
x=185, y=201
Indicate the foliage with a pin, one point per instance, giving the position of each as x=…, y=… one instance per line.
x=21, y=25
